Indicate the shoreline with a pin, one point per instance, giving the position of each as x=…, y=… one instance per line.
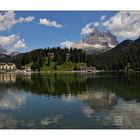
x=47, y=72
x=65, y=72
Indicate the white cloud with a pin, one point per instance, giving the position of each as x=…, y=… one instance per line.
x=102, y=18
x=96, y=24
x=26, y=19
x=8, y=40
x=124, y=24
x=8, y=20
x=87, y=29
x=13, y=41
x=67, y=44
x=46, y=22
x=20, y=44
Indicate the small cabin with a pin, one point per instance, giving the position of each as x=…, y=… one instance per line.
x=7, y=66
x=51, y=55
x=26, y=69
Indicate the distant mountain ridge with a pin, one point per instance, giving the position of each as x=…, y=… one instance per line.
x=14, y=53
x=2, y=50
x=5, y=57
x=126, y=55
x=94, y=43
x=126, y=45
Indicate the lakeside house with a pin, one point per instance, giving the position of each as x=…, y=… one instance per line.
x=25, y=69
x=7, y=66
x=88, y=69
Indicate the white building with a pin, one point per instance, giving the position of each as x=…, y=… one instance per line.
x=7, y=66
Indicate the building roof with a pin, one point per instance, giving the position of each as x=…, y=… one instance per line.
x=4, y=63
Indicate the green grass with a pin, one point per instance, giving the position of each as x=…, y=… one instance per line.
x=45, y=67
x=69, y=66
x=48, y=68
x=28, y=65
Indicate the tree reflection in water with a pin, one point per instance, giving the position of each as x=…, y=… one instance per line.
x=110, y=100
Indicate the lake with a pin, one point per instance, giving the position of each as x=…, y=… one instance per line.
x=103, y=100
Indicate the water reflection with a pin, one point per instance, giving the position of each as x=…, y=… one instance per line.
x=12, y=101
x=48, y=120
x=94, y=102
x=99, y=101
x=124, y=115
x=69, y=101
x=7, y=121
x=7, y=78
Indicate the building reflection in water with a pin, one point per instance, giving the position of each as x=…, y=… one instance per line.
x=10, y=97
x=7, y=78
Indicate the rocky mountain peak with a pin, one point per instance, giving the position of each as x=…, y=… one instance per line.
x=105, y=39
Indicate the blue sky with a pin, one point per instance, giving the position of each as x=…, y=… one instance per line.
x=57, y=27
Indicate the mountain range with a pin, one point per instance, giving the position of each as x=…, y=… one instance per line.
x=14, y=53
x=97, y=42
x=126, y=53
x=4, y=52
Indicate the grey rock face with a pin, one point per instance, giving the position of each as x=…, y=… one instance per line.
x=105, y=39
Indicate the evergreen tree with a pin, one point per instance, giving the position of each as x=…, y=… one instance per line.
x=55, y=67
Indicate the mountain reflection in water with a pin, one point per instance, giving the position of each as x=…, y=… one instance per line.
x=70, y=101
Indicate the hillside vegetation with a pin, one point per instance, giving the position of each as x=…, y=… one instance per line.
x=125, y=56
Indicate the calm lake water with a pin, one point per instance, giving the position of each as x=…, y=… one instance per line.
x=70, y=101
